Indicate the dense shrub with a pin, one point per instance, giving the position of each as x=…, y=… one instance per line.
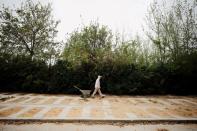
x=25, y=75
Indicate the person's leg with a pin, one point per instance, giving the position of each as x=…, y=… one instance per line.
x=100, y=93
x=95, y=90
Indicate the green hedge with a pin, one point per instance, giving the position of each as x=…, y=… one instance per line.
x=22, y=74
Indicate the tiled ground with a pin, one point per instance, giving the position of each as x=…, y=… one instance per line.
x=37, y=106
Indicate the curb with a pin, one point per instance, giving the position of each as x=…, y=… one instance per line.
x=103, y=121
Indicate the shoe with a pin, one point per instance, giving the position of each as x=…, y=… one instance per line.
x=103, y=96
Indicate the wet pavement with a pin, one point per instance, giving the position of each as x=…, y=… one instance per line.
x=68, y=107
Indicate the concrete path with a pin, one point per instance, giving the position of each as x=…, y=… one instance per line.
x=96, y=127
x=116, y=108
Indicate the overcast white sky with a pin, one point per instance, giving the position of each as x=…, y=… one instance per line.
x=124, y=16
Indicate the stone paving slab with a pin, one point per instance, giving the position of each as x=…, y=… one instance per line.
x=126, y=108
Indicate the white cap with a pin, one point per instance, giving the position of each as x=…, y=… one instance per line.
x=99, y=76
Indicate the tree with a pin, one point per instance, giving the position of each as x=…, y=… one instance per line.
x=29, y=30
x=90, y=44
x=173, y=29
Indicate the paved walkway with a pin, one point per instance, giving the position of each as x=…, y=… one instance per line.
x=66, y=107
x=97, y=127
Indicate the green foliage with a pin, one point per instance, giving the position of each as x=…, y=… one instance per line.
x=164, y=64
x=173, y=29
x=28, y=30
x=91, y=44
x=22, y=74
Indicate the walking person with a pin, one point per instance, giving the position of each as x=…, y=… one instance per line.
x=97, y=87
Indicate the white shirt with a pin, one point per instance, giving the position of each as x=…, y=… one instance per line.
x=97, y=84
